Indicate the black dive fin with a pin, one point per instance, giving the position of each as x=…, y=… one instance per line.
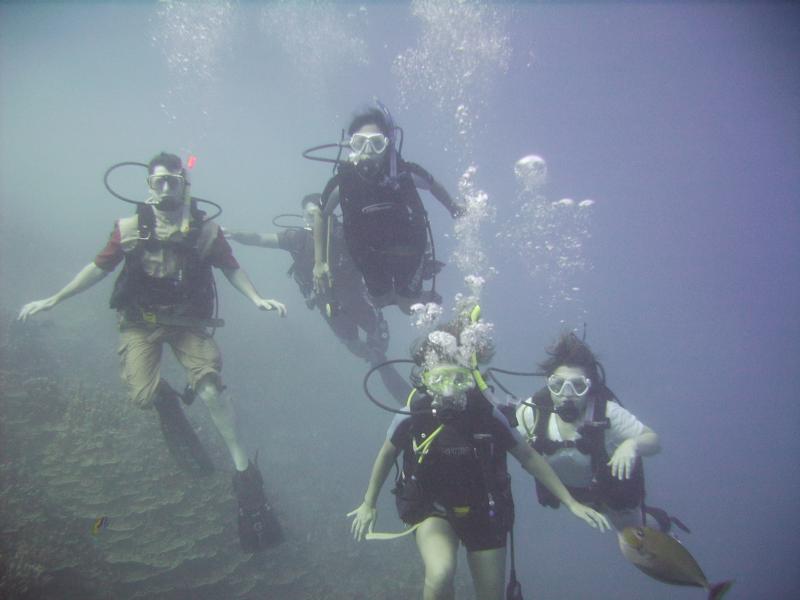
x=181, y=439
x=259, y=528
x=664, y=519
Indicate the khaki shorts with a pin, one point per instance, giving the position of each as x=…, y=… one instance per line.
x=140, y=352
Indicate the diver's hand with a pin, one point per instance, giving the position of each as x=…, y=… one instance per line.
x=31, y=308
x=322, y=277
x=591, y=516
x=623, y=460
x=363, y=520
x=265, y=304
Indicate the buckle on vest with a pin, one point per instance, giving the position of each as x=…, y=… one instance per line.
x=459, y=512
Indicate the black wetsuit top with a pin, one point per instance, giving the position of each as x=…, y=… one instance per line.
x=451, y=473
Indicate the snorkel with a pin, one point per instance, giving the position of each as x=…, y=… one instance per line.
x=392, y=135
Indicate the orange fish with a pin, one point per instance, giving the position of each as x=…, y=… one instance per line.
x=663, y=557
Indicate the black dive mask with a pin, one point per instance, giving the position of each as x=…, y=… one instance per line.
x=568, y=411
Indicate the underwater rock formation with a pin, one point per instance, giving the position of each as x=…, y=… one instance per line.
x=73, y=450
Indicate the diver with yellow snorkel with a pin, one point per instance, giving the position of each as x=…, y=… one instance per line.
x=454, y=487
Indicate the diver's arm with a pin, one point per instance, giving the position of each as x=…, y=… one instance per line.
x=239, y=280
x=537, y=466
x=321, y=271
x=365, y=515
x=86, y=278
x=442, y=196
x=251, y=238
x=330, y=203
x=624, y=458
x=425, y=181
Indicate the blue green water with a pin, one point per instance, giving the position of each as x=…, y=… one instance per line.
x=679, y=121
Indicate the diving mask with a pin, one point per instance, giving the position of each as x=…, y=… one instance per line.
x=578, y=386
x=167, y=190
x=373, y=143
x=448, y=380
x=162, y=182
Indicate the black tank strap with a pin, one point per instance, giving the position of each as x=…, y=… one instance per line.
x=147, y=223
x=594, y=434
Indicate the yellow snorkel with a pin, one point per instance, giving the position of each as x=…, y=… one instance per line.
x=474, y=317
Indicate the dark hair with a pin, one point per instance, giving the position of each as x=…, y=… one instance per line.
x=370, y=116
x=311, y=198
x=171, y=162
x=571, y=351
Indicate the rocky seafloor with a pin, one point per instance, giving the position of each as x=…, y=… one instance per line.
x=73, y=450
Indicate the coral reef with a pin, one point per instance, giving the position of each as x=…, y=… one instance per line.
x=73, y=450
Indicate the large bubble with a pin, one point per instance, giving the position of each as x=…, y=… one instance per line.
x=531, y=172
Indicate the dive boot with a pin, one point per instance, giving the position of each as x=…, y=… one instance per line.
x=258, y=526
x=182, y=441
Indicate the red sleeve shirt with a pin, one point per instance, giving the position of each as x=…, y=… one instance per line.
x=110, y=256
x=220, y=256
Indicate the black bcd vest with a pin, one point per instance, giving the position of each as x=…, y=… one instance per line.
x=189, y=293
x=605, y=489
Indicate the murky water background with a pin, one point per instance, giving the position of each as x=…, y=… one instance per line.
x=631, y=167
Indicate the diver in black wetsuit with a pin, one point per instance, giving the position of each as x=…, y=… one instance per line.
x=346, y=306
x=385, y=222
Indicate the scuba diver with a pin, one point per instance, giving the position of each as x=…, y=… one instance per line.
x=165, y=293
x=346, y=306
x=594, y=445
x=454, y=487
x=385, y=223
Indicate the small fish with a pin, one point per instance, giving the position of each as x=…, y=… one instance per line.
x=99, y=524
x=663, y=557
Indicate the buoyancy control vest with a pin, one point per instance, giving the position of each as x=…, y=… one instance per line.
x=382, y=215
x=605, y=489
x=462, y=468
x=300, y=244
x=173, y=275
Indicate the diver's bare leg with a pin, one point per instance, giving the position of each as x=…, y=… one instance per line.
x=488, y=568
x=224, y=420
x=438, y=546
